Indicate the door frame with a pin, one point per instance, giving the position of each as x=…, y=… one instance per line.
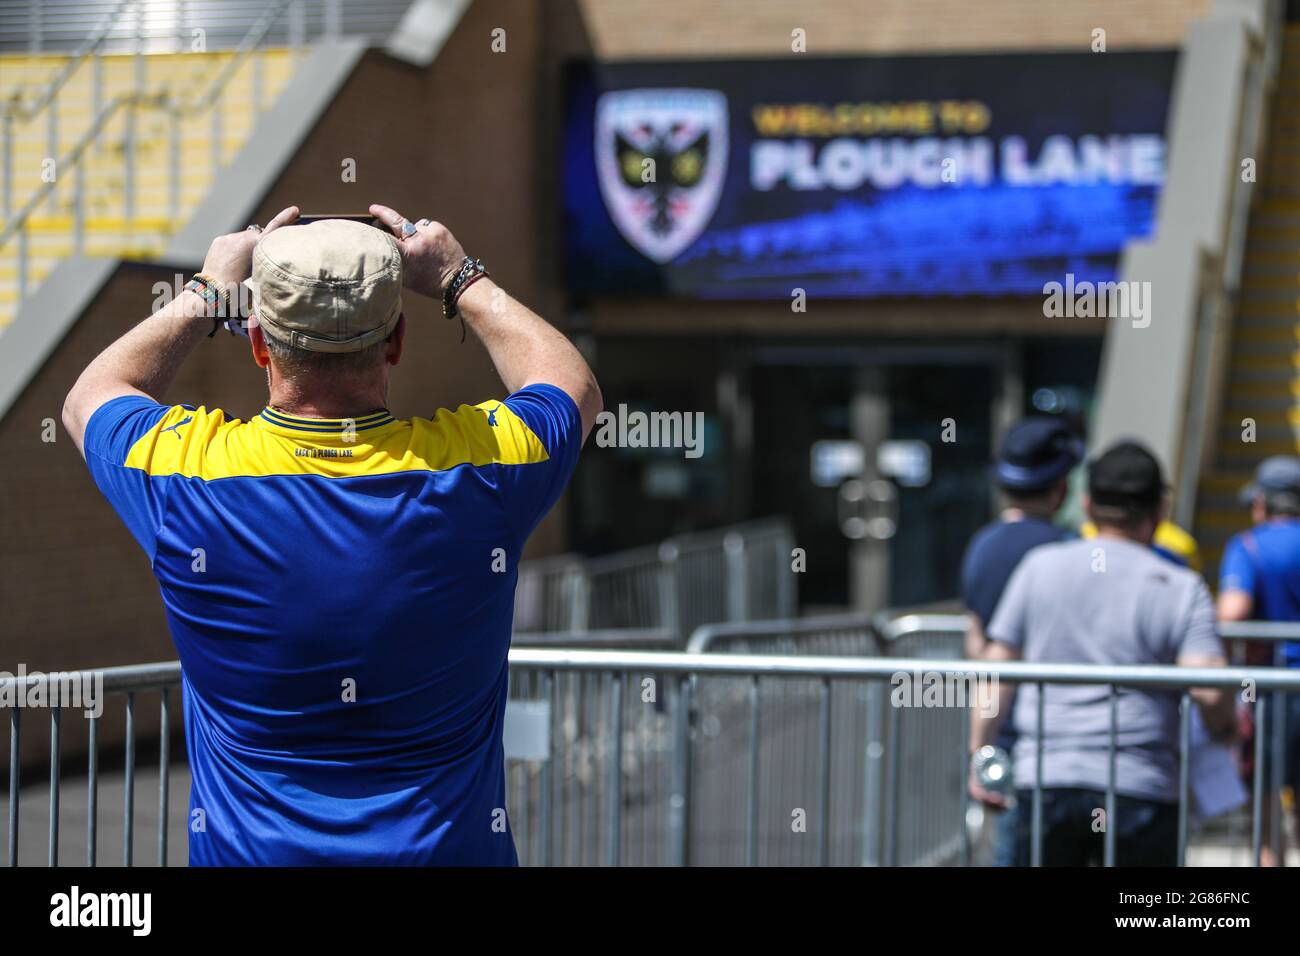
x=869, y=561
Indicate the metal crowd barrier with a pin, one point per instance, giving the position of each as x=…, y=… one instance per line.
x=691, y=832
x=622, y=774
x=738, y=573
x=786, y=720
x=942, y=633
x=886, y=824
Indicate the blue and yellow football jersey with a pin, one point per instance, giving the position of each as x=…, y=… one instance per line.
x=341, y=595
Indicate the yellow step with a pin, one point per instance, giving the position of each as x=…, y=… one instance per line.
x=1262, y=448
x=1267, y=307
x=1264, y=362
x=1282, y=335
x=183, y=75
x=1263, y=389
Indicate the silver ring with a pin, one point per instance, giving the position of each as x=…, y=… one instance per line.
x=254, y=228
x=424, y=222
x=408, y=228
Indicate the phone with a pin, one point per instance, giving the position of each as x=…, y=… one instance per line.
x=238, y=324
x=364, y=217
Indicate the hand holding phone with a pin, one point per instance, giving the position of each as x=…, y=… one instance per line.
x=363, y=217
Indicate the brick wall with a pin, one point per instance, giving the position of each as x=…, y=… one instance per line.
x=688, y=28
x=456, y=142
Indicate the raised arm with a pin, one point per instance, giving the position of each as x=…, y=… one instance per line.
x=1201, y=647
x=145, y=360
x=524, y=347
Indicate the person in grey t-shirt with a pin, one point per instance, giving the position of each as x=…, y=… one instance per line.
x=1106, y=600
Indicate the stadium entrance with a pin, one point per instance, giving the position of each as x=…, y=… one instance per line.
x=886, y=476
x=877, y=450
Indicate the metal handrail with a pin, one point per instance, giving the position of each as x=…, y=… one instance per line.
x=136, y=677
x=256, y=34
x=163, y=676
x=209, y=100
x=86, y=140
x=892, y=628
x=14, y=107
x=1164, y=676
x=1255, y=631
x=683, y=581
x=614, y=638
x=66, y=23
x=1260, y=630
x=705, y=635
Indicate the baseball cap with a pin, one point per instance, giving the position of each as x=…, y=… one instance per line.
x=330, y=286
x=1127, y=476
x=1035, y=453
x=1279, y=474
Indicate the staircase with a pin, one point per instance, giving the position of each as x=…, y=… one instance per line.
x=61, y=26
x=113, y=229
x=181, y=115
x=1263, y=378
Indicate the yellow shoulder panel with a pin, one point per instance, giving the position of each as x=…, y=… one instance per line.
x=179, y=442
x=487, y=433
x=203, y=444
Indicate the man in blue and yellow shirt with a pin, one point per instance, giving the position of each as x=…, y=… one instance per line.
x=338, y=581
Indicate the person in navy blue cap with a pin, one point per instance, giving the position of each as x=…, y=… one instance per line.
x=1259, y=579
x=1032, y=471
x=1107, y=600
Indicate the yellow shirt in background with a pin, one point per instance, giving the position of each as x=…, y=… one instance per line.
x=1170, y=540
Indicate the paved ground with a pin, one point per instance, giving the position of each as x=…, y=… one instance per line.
x=34, y=819
x=1226, y=845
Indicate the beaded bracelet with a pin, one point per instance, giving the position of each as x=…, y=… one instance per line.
x=216, y=298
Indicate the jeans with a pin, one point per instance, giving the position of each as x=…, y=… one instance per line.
x=1290, y=745
x=1004, y=838
x=1146, y=831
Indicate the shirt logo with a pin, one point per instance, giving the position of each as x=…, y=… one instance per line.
x=492, y=416
x=172, y=428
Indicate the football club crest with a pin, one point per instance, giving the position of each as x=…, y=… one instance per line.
x=661, y=157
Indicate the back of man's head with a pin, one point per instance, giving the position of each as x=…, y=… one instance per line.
x=327, y=296
x=1276, y=487
x=1034, y=461
x=1126, y=490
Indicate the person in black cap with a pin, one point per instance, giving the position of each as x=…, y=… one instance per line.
x=1259, y=579
x=1032, y=471
x=1108, y=600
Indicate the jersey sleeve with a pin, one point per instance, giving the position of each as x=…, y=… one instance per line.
x=544, y=419
x=115, y=433
x=1236, y=571
x=973, y=590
